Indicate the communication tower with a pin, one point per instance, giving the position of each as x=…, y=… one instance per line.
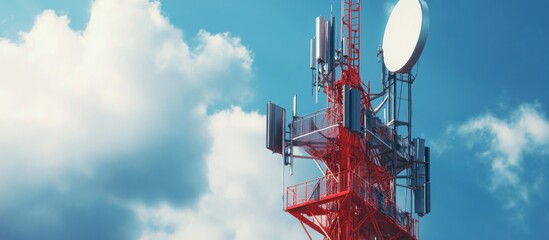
x=365, y=159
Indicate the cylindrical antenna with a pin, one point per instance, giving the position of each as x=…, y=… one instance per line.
x=320, y=39
x=312, y=53
x=328, y=59
x=332, y=49
x=283, y=186
x=313, y=79
x=294, y=113
x=316, y=94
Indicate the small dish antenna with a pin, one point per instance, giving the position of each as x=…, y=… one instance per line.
x=405, y=35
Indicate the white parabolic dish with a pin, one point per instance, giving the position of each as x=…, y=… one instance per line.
x=405, y=35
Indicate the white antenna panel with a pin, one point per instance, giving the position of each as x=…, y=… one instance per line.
x=405, y=35
x=320, y=39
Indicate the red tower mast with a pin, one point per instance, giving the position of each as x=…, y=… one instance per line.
x=362, y=156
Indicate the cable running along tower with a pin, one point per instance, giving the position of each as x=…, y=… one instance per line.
x=362, y=141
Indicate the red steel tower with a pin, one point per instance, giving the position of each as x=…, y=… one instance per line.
x=365, y=161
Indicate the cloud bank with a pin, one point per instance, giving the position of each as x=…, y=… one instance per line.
x=508, y=143
x=97, y=121
x=244, y=201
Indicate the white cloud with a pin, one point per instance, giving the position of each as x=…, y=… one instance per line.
x=90, y=115
x=508, y=142
x=244, y=201
x=68, y=96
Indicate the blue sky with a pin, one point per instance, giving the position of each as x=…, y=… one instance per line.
x=135, y=119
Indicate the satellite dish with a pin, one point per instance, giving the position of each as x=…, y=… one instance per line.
x=405, y=35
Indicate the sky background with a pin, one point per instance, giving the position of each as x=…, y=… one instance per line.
x=137, y=119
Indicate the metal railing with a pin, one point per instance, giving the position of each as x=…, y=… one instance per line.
x=384, y=134
x=302, y=125
x=327, y=186
x=313, y=190
x=311, y=122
